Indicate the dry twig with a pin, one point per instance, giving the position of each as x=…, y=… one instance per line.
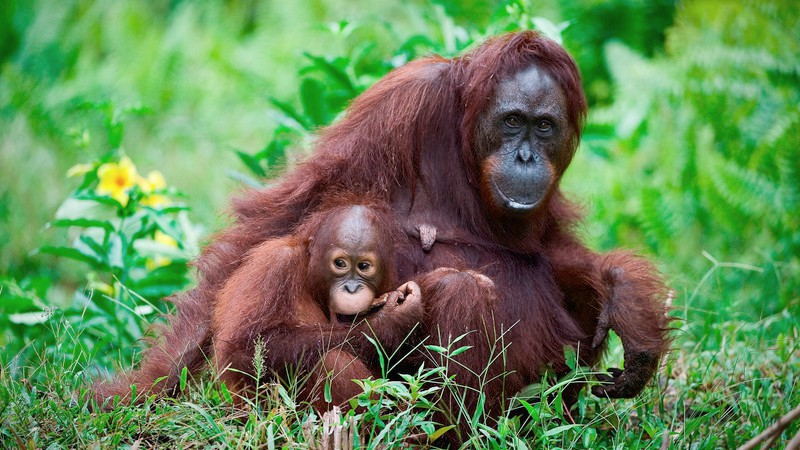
x=770, y=435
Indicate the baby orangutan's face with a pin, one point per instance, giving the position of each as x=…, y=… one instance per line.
x=355, y=269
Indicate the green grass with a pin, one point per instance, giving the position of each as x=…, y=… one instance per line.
x=721, y=385
x=690, y=156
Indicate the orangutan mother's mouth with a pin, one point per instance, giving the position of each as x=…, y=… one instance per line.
x=514, y=205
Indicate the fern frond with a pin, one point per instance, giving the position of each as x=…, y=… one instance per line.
x=744, y=189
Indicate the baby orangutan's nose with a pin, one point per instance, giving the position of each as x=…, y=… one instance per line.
x=351, y=287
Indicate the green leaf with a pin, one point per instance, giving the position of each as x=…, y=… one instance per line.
x=251, y=163
x=290, y=113
x=459, y=337
x=274, y=151
x=85, y=207
x=16, y=302
x=335, y=73
x=460, y=350
x=378, y=347
x=360, y=54
x=476, y=415
x=570, y=357
x=589, y=436
x=165, y=224
x=103, y=199
x=29, y=318
x=84, y=223
x=532, y=411
x=267, y=159
x=72, y=253
x=284, y=395
x=226, y=394
x=271, y=437
x=434, y=371
x=115, y=131
x=89, y=178
x=440, y=432
x=162, y=281
x=160, y=290
x=171, y=209
x=152, y=248
x=409, y=47
x=184, y=377
x=559, y=430
x=115, y=254
x=312, y=96
x=436, y=348
x=210, y=426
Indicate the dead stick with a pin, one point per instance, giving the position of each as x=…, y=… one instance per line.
x=665, y=440
x=776, y=428
x=308, y=434
x=771, y=441
x=794, y=444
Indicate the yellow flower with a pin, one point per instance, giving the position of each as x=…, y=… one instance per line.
x=160, y=261
x=79, y=169
x=116, y=179
x=155, y=200
x=98, y=285
x=164, y=238
x=154, y=182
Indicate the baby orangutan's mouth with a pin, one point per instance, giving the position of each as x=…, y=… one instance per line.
x=347, y=318
x=352, y=318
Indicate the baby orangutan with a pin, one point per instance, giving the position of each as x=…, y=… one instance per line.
x=341, y=261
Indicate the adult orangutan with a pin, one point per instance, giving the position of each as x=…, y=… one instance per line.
x=469, y=153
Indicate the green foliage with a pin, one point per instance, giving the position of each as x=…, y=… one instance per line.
x=639, y=25
x=328, y=84
x=134, y=239
x=727, y=378
x=22, y=309
x=711, y=126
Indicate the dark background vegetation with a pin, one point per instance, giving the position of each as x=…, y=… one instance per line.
x=691, y=156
